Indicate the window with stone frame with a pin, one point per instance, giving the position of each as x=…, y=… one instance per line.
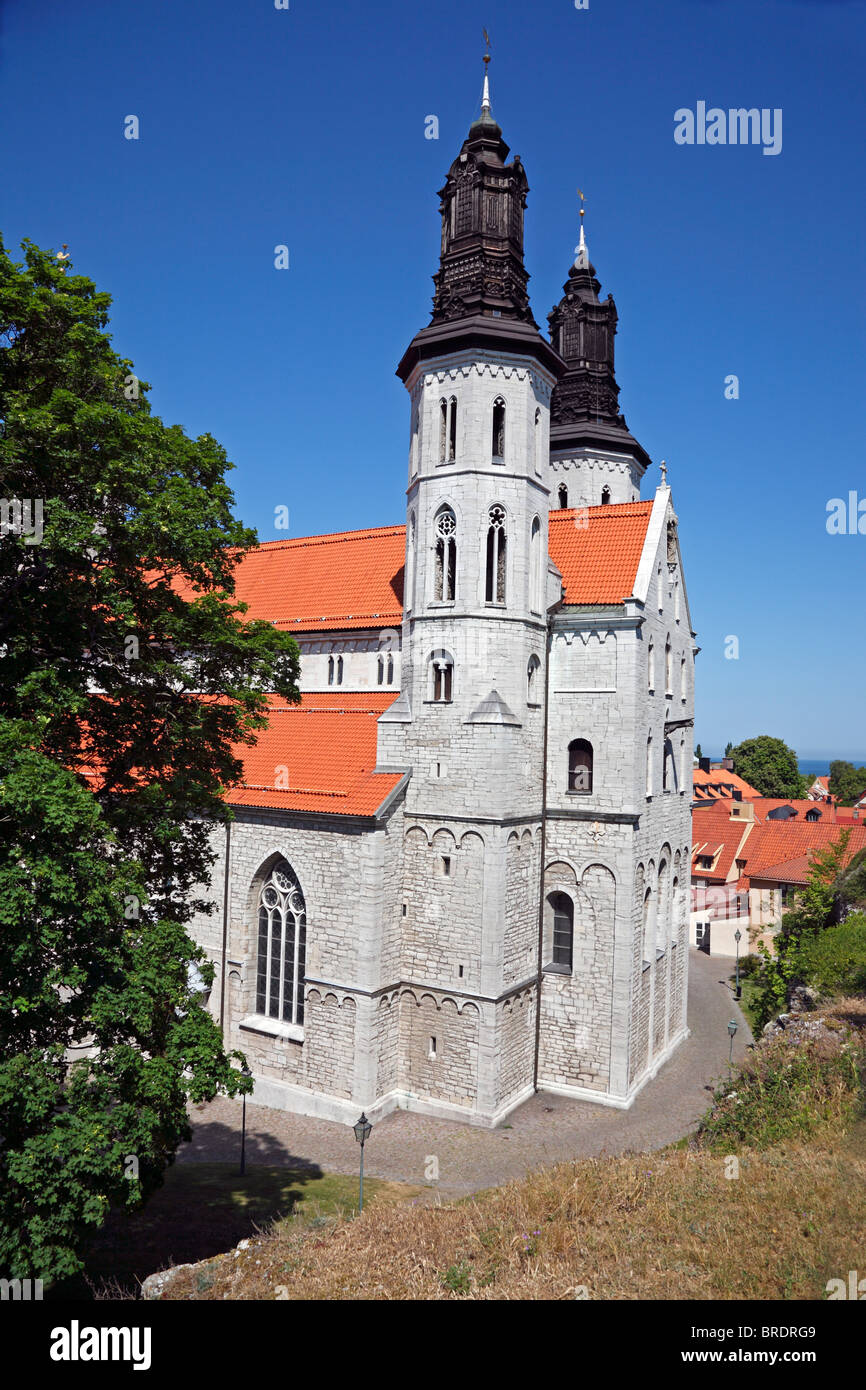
x=282, y=941
x=562, y=497
x=496, y=555
x=498, y=440
x=580, y=766
x=441, y=677
x=532, y=670
x=562, y=909
x=445, y=578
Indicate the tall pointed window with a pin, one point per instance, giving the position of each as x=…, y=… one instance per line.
x=410, y=563
x=496, y=555
x=282, y=939
x=562, y=494
x=441, y=677
x=448, y=430
x=535, y=566
x=498, y=449
x=330, y=670
x=443, y=430
x=580, y=760
x=538, y=439
x=563, y=929
x=651, y=666
x=668, y=668
x=339, y=670
x=532, y=669
x=446, y=554
x=452, y=429
x=669, y=771
x=649, y=766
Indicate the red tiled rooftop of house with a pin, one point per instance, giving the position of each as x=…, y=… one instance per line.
x=317, y=756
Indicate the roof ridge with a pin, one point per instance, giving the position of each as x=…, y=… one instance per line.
x=324, y=537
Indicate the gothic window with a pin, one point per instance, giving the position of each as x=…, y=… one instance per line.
x=649, y=766
x=668, y=673
x=538, y=439
x=648, y=924
x=448, y=430
x=410, y=564
x=663, y=906
x=389, y=670
x=339, y=670
x=443, y=429
x=669, y=771
x=441, y=680
x=605, y=496
x=684, y=685
x=563, y=929
x=535, y=566
x=496, y=554
x=563, y=496
x=446, y=554
x=281, y=947
x=463, y=199
x=498, y=430
x=532, y=680
x=580, y=761
x=452, y=429
x=651, y=666
x=330, y=670
x=413, y=447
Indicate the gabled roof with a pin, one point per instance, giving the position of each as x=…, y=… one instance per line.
x=718, y=782
x=324, y=750
x=598, y=549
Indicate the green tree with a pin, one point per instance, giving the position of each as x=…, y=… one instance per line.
x=768, y=765
x=834, y=961
x=847, y=782
x=698, y=753
x=728, y=748
x=130, y=681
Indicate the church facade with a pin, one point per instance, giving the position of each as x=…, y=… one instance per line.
x=458, y=870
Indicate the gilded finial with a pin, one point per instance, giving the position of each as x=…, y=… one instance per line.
x=487, y=41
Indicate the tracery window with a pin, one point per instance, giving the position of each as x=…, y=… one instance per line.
x=282, y=943
x=496, y=544
x=446, y=554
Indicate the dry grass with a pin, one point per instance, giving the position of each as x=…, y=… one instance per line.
x=669, y=1225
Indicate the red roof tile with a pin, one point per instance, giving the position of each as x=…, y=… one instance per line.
x=597, y=550
x=325, y=750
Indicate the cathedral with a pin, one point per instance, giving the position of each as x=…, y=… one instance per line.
x=457, y=871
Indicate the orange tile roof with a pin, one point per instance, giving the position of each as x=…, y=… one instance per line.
x=324, y=749
x=718, y=778
x=781, y=843
x=713, y=830
x=599, y=560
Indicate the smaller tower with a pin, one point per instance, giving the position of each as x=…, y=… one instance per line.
x=593, y=457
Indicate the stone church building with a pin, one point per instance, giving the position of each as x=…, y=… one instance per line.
x=458, y=870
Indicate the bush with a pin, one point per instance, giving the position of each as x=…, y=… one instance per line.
x=788, y=1086
x=833, y=961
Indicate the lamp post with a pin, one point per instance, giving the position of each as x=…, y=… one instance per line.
x=738, y=937
x=732, y=1028
x=246, y=1071
x=362, y=1133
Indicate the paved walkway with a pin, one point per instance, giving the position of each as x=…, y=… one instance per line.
x=545, y=1129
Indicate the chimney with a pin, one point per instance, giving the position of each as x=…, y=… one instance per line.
x=728, y=764
x=736, y=794
x=704, y=764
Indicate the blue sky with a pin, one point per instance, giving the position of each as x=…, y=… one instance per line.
x=305, y=127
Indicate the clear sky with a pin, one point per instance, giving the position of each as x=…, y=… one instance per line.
x=306, y=127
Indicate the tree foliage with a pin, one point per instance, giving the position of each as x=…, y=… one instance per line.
x=768, y=765
x=847, y=782
x=130, y=681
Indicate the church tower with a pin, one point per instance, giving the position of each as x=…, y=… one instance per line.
x=477, y=585
x=594, y=460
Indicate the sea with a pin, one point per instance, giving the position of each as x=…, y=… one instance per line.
x=816, y=767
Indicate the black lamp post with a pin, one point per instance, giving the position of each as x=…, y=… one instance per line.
x=246, y=1071
x=732, y=1028
x=362, y=1133
x=738, y=937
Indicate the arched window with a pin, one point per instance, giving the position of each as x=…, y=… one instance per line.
x=443, y=430
x=446, y=554
x=563, y=929
x=532, y=680
x=410, y=563
x=380, y=675
x=339, y=670
x=651, y=666
x=441, y=677
x=649, y=766
x=669, y=770
x=664, y=906
x=535, y=566
x=282, y=939
x=389, y=673
x=330, y=670
x=498, y=442
x=684, y=685
x=413, y=447
x=605, y=496
x=496, y=543
x=580, y=766
x=668, y=668
x=538, y=439
x=648, y=925
x=562, y=494
x=452, y=429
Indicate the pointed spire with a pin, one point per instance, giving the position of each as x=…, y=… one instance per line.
x=486, y=112
x=581, y=259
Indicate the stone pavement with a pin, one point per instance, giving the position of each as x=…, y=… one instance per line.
x=545, y=1129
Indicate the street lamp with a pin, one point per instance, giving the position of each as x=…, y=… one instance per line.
x=246, y=1071
x=738, y=937
x=732, y=1028
x=362, y=1133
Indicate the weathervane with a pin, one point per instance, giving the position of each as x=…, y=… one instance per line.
x=487, y=41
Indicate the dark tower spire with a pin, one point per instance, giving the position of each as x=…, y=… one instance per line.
x=481, y=293
x=584, y=408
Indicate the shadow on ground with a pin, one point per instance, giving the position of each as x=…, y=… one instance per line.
x=202, y=1209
